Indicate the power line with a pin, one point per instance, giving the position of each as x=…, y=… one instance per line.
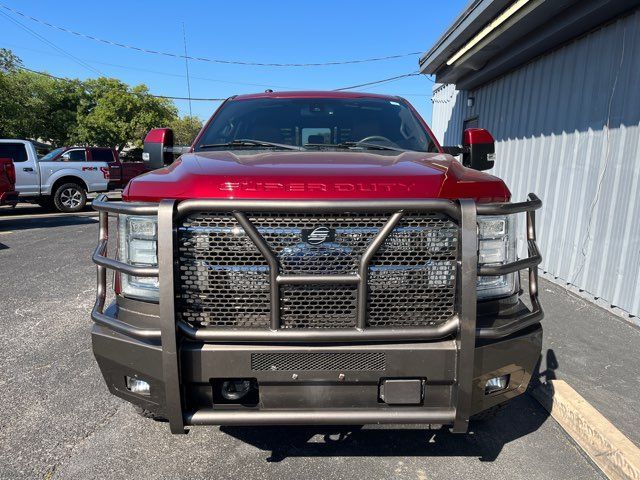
x=185, y=98
x=55, y=77
x=208, y=79
x=205, y=59
x=376, y=82
x=51, y=44
x=157, y=72
x=186, y=65
x=42, y=73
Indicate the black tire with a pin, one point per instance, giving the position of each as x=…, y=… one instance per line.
x=70, y=197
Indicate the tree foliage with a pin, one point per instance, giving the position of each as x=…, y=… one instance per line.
x=102, y=112
x=115, y=115
x=8, y=61
x=185, y=129
x=35, y=106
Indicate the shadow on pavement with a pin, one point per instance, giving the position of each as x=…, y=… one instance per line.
x=485, y=440
x=31, y=209
x=55, y=220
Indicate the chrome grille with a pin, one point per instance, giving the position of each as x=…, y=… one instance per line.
x=224, y=280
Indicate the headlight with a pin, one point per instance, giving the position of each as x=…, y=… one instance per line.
x=138, y=245
x=497, y=246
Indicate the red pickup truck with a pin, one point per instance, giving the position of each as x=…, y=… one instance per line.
x=8, y=194
x=123, y=168
x=317, y=258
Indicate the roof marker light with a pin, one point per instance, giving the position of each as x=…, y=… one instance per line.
x=495, y=23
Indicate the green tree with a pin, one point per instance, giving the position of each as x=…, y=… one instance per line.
x=185, y=129
x=13, y=98
x=8, y=61
x=112, y=114
x=58, y=115
x=102, y=112
x=34, y=105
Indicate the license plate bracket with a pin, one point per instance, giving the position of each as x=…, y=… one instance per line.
x=402, y=391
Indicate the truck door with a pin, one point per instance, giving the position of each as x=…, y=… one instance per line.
x=27, y=177
x=110, y=159
x=95, y=174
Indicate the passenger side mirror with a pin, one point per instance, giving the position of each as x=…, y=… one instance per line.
x=158, y=148
x=478, y=149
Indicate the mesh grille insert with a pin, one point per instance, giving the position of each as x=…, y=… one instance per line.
x=360, y=361
x=318, y=306
x=223, y=279
x=412, y=278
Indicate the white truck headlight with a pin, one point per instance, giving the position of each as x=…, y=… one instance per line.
x=496, y=246
x=138, y=245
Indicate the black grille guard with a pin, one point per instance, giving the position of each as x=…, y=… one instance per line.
x=462, y=325
x=461, y=211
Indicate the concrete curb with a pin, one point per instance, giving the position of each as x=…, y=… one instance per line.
x=610, y=450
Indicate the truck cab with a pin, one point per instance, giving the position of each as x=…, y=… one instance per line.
x=317, y=258
x=61, y=178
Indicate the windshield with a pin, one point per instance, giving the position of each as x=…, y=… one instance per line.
x=52, y=154
x=316, y=122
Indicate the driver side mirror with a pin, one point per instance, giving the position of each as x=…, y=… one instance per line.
x=478, y=149
x=158, y=148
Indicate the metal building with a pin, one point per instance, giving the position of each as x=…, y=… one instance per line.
x=557, y=83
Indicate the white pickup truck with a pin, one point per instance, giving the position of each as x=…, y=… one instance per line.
x=62, y=178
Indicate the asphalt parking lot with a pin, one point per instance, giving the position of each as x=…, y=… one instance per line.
x=59, y=421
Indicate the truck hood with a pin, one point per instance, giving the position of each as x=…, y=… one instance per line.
x=316, y=175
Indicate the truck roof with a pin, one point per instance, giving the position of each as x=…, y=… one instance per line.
x=314, y=94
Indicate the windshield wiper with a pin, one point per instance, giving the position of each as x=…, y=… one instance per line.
x=247, y=142
x=347, y=145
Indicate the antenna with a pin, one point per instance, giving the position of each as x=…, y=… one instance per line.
x=186, y=66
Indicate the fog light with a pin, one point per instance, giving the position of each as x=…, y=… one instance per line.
x=235, y=389
x=138, y=386
x=496, y=384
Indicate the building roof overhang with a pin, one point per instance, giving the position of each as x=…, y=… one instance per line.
x=492, y=37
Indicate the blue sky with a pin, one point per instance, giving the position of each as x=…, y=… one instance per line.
x=256, y=31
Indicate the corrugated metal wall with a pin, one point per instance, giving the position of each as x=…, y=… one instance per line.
x=567, y=126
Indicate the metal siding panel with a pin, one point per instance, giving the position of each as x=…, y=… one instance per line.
x=566, y=87
x=581, y=138
x=549, y=119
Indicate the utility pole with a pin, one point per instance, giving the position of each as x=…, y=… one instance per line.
x=186, y=66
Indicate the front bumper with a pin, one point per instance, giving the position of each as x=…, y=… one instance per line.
x=332, y=395
x=450, y=362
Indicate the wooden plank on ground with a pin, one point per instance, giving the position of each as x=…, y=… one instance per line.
x=611, y=451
